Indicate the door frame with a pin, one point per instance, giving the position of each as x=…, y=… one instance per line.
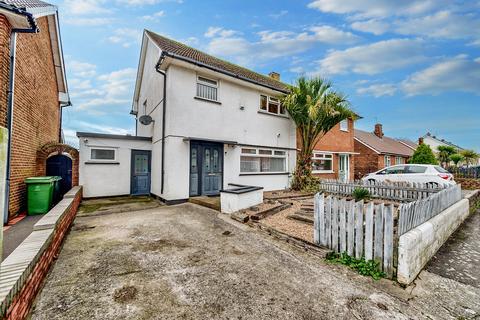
x=200, y=159
x=346, y=163
x=132, y=170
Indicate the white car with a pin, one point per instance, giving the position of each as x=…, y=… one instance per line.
x=424, y=173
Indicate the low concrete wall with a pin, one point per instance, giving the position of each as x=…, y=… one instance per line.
x=23, y=271
x=417, y=247
x=232, y=202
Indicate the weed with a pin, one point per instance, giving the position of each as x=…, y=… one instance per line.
x=365, y=268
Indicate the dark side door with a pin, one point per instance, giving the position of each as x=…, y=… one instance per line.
x=140, y=172
x=61, y=165
x=206, y=168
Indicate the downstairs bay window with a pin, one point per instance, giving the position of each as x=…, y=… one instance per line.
x=253, y=160
x=322, y=162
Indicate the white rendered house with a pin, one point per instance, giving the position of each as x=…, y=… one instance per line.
x=209, y=124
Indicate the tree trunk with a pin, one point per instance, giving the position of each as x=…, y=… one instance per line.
x=303, y=170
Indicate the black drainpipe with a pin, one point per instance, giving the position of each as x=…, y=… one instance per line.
x=157, y=67
x=10, y=100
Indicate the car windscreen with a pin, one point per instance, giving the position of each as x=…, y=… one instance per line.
x=440, y=169
x=416, y=169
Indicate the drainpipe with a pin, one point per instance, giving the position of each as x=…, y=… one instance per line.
x=10, y=104
x=164, y=74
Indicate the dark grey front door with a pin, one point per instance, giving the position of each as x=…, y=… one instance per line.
x=206, y=168
x=141, y=169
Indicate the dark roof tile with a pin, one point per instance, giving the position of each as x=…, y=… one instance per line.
x=181, y=50
x=383, y=145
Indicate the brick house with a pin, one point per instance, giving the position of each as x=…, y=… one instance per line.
x=376, y=151
x=32, y=96
x=333, y=155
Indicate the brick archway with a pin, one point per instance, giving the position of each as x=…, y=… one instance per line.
x=54, y=148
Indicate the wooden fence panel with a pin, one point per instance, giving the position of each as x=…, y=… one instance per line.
x=388, y=241
x=359, y=229
x=328, y=221
x=378, y=234
x=343, y=230
x=335, y=216
x=369, y=231
x=350, y=227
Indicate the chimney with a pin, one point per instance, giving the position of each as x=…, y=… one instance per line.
x=274, y=75
x=378, y=130
x=420, y=140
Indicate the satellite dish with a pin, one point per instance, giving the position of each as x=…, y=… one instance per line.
x=145, y=120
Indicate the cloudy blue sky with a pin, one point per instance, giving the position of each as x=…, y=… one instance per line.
x=412, y=65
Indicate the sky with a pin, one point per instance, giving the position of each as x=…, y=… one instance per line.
x=412, y=65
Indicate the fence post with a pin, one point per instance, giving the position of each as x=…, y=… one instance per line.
x=350, y=227
x=359, y=229
x=388, y=241
x=378, y=236
x=369, y=231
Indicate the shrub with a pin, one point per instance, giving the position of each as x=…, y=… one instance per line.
x=360, y=194
x=423, y=155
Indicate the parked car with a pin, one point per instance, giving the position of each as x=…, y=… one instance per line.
x=424, y=173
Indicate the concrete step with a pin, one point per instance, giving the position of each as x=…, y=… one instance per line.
x=209, y=202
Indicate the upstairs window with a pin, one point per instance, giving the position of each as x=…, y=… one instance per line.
x=388, y=163
x=344, y=125
x=271, y=105
x=207, y=88
x=399, y=160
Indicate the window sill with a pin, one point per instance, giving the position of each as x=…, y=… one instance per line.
x=264, y=173
x=102, y=162
x=273, y=114
x=322, y=171
x=344, y=130
x=207, y=100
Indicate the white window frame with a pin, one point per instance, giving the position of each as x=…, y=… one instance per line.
x=389, y=161
x=208, y=84
x=320, y=155
x=399, y=160
x=256, y=153
x=102, y=148
x=344, y=125
x=273, y=100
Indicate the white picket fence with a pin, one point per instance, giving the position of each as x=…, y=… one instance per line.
x=399, y=191
x=361, y=230
x=415, y=213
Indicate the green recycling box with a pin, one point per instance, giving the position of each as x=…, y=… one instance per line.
x=40, y=194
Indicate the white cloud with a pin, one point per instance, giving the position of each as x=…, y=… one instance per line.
x=378, y=90
x=376, y=8
x=104, y=129
x=85, y=7
x=219, y=32
x=126, y=37
x=457, y=74
x=155, y=16
x=77, y=21
x=442, y=24
x=375, y=26
x=373, y=58
x=82, y=69
x=230, y=43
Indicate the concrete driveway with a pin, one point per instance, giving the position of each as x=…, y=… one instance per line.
x=188, y=262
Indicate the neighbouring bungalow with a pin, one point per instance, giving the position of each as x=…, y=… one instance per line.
x=201, y=124
x=333, y=156
x=33, y=91
x=376, y=151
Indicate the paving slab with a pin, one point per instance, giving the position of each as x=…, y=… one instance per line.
x=459, y=257
x=190, y=262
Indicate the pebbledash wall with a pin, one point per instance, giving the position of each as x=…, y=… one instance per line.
x=24, y=270
x=236, y=118
x=36, y=109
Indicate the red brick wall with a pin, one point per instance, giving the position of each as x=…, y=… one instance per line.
x=366, y=161
x=21, y=304
x=4, y=67
x=36, y=108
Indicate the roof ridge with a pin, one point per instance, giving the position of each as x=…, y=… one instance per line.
x=265, y=77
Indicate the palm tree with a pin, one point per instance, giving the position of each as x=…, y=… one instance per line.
x=315, y=108
x=469, y=156
x=444, y=153
x=456, y=158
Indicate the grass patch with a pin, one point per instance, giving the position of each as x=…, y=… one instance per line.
x=368, y=268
